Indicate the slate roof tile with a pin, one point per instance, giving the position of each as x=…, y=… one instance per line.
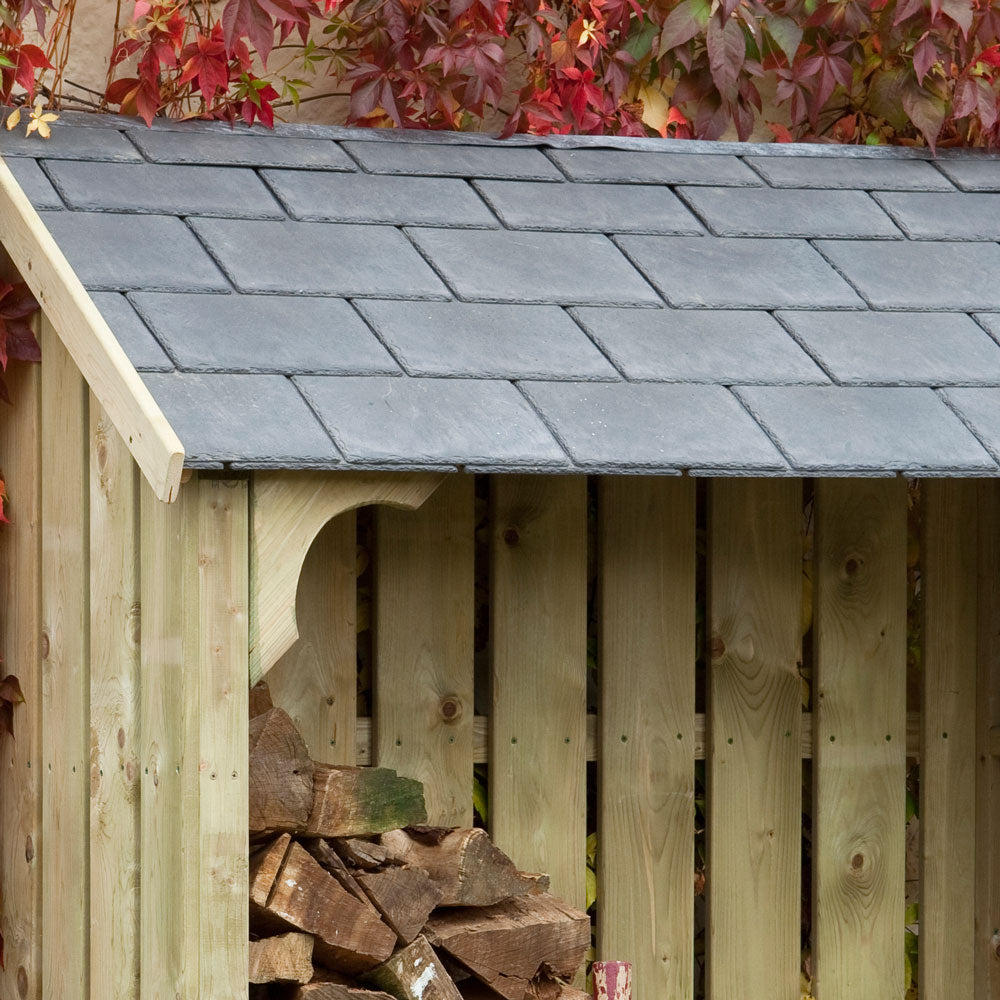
x=954, y=216
x=34, y=183
x=617, y=166
x=979, y=409
x=972, y=173
x=842, y=173
x=510, y=162
x=142, y=348
x=68, y=143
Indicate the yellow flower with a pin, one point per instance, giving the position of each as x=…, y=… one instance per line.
x=40, y=120
x=589, y=33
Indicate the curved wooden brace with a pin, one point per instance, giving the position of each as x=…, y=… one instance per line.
x=287, y=511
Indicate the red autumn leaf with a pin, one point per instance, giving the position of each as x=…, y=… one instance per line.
x=926, y=111
x=247, y=19
x=29, y=59
x=727, y=48
x=925, y=54
x=205, y=60
x=16, y=337
x=906, y=9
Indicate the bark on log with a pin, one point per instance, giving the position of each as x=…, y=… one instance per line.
x=468, y=867
x=404, y=896
x=355, y=801
x=414, y=973
x=286, y=958
x=280, y=774
x=260, y=699
x=509, y=944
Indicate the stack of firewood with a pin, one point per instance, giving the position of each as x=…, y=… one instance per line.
x=352, y=897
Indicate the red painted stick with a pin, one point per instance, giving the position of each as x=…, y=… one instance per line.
x=612, y=981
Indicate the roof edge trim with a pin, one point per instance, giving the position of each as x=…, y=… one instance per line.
x=94, y=349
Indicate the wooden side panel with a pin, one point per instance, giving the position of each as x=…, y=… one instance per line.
x=316, y=680
x=755, y=714
x=948, y=741
x=987, y=917
x=424, y=621
x=860, y=756
x=223, y=663
x=114, y=713
x=20, y=627
x=538, y=628
x=646, y=731
x=65, y=674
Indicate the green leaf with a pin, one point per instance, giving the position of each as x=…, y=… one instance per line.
x=479, y=800
x=640, y=39
x=591, y=888
x=787, y=35
x=911, y=915
x=592, y=849
x=4, y=61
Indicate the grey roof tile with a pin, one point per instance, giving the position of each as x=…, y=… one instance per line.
x=879, y=348
x=431, y=421
x=954, y=277
x=868, y=430
x=30, y=176
x=111, y=252
x=398, y=201
x=232, y=149
x=699, y=345
x=629, y=425
x=790, y=212
x=955, y=216
x=260, y=419
x=68, y=143
x=560, y=268
x=979, y=409
x=741, y=274
x=480, y=340
x=453, y=161
x=596, y=208
x=991, y=322
x=264, y=333
x=626, y=167
x=162, y=189
x=319, y=258
x=840, y=172
x=972, y=173
x=140, y=345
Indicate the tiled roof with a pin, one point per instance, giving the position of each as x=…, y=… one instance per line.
x=335, y=298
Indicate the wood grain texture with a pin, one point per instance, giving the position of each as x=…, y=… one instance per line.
x=538, y=624
x=114, y=712
x=88, y=339
x=646, y=734
x=423, y=636
x=288, y=509
x=860, y=766
x=65, y=673
x=755, y=713
x=987, y=916
x=222, y=707
x=315, y=682
x=948, y=741
x=20, y=608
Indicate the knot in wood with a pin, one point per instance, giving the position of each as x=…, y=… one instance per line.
x=22, y=981
x=29, y=849
x=858, y=861
x=510, y=536
x=45, y=644
x=852, y=566
x=718, y=647
x=450, y=708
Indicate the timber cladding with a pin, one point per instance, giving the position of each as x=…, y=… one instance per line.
x=123, y=813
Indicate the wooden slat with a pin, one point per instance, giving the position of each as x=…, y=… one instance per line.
x=65, y=673
x=114, y=713
x=987, y=878
x=223, y=894
x=646, y=801
x=424, y=613
x=754, y=813
x=91, y=344
x=20, y=624
x=948, y=743
x=169, y=675
x=316, y=680
x=860, y=757
x=538, y=626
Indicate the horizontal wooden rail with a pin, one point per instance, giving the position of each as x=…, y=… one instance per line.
x=481, y=727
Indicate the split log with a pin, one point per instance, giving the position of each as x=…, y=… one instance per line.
x=264, y=867
x=414, y=973
x=260, y=699
x=336, y=991
x=363, y=853
x=280, y=774
x=356, y=801
x=538, y=989
x=612, y=981
x=468, y=867
x=509, y=944
x=332, y=862
x=286, y=958
x=404, y=896
x=350, y=937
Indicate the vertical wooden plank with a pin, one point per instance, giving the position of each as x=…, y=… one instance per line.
x=20, y=628
x=315, y=682
x=860, y=727
x=538, y=624
x=168, y=682
x=755, y=716
x=948, y=741
x=114, y=713
x=65, y=673
x=987, y=916
x=424, y=621
x=646, y=731
x=224, y=664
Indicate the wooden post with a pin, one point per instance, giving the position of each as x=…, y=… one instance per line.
x=612, y=980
